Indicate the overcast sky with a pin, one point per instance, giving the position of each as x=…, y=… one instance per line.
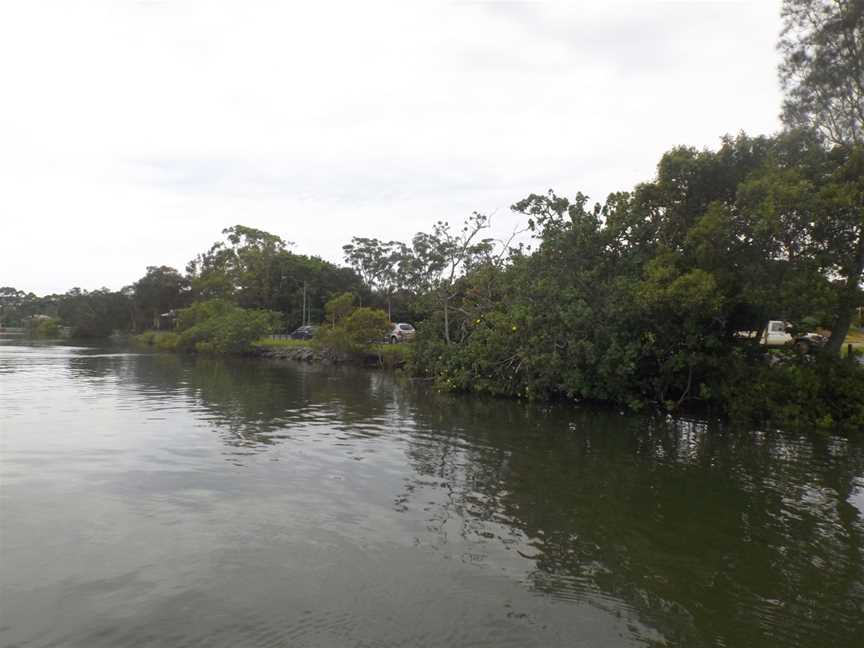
x=133, y=131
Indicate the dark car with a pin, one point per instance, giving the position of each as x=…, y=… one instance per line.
x=306, y=332
x=807, y=342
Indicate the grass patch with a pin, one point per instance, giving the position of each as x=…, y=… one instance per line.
x=855, y=338
x=162, y=340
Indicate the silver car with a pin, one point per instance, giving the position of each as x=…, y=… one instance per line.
x=402, y=332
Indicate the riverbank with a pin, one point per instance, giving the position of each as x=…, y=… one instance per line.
x=799, y=392
x=299, y=353
x=381, y=356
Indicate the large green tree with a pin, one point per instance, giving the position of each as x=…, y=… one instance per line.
x=243, y=267
x=95, y=313
x=256, y=269
x=160, y=290
x=639, y=299
x=822, y=73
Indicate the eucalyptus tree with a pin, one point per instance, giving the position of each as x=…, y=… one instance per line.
x=378, y=264
x=256, y=269
x=844, y=239
x=822, y=74
x=243, y=267
x=435, y=261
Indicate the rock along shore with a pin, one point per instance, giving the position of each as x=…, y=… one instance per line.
x=302, y=354
x=327, y=356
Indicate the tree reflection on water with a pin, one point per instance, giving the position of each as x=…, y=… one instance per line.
x=711, y=536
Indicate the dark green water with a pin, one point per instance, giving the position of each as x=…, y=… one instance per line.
x=154, y=500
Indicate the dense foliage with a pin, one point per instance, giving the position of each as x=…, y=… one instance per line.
x=159, y=292
x=255, y=269
x=352, y=329
x=94, y=314
x=637, y=300
x=358, y=331
x=215, y=326
x=44, y=327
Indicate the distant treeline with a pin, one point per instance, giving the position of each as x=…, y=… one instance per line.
x=251, y=268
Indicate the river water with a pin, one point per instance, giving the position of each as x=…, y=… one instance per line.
x=158, y=500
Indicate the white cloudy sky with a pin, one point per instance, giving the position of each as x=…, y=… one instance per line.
x=133, y=131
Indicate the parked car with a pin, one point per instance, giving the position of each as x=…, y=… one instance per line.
x=806, y=342
x=779, y=333
x=402, y=332
x=305, y=332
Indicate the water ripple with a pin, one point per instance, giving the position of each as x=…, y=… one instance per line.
x=153, y=500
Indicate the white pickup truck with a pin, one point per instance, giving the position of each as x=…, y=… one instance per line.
x=778, y=334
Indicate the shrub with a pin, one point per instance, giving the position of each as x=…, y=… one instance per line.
x=219, y=327
x=357, y=332
x=802, y=392
x=45, y=328
x=201, y=311
x=339, y=307
x=392, y=356
x=166, y=341
x=488, y=360
x=147, y=337
x=162, y=340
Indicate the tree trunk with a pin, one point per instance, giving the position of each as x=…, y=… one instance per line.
x=849, y=302
x=446, y=322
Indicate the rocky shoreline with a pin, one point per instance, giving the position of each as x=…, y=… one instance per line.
x=303, y=354
x=325, y=356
